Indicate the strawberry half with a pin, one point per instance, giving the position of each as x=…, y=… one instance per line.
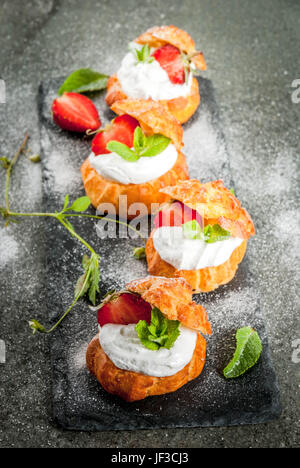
x=121, y=129
x=170, y=59
x=75, y=112
x=124, y=308
x=177, y=214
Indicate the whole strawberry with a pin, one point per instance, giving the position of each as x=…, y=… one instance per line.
x=75, y=112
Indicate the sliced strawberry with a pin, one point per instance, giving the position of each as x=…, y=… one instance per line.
x=121, y=129
x=169, y=58
x=176, y=215
x=124, y=308
x=75, y=112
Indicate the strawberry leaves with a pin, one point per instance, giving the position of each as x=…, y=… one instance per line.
x=82, y=81
x=161, y=333
x=143, y=146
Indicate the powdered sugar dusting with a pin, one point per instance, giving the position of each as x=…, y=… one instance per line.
x=8, y=247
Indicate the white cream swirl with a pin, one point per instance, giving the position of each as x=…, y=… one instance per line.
x=113, y=167
x=191, y=254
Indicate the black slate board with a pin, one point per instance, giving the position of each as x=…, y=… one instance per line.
x=79, y=402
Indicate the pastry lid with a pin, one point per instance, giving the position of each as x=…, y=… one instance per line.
x=153, y=118
x=214, y=201
x=158, y=36
x=173, y=297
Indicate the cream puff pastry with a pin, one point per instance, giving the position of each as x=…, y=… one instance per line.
x=160, y=66
x=145, y=157
x=149, y=341
x=201, y=236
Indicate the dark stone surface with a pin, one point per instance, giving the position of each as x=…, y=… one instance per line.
x=252, y=54
x=79, y=401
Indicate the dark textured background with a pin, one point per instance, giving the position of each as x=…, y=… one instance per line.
x=252, y=51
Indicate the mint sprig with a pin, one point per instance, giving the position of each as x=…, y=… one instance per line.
x=143, y=55
x=89, y=281
x=247, y=353
x=210, y=233
x=143, y=146
x=84, y=80
x=161, y=333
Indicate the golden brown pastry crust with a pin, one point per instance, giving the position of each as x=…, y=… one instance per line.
x=132, y=386
x=217, y=205
x=101, y=190
x=182, y=107
x=214, y=201
x=204, y=280
x=173, y=297
x=153, y=118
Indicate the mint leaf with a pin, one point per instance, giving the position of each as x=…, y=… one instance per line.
x=81, y=286
x=143, y=146
x=85, y=262
x=161, y=333
x=173, y=333
x=122, y=150
x=210, y=234
x=154, y=145
x=248, y=350
x=88, y=283
x=84, y=80
x=81, y=204
x=139, y=140
x=215, y=233
x=143, y=334
x=139, y=252
x=192, y=230
x=143, y=55
x=66, y=202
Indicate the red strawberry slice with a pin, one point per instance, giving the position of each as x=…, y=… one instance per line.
x=169, y=58
x=124, y=308
x=177, y=214
x=121, y=129
x=75, y=112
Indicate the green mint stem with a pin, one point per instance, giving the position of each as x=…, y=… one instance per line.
x=73, y=215
x=6, y=213
x=76, y=235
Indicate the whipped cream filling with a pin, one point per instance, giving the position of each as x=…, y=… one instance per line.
x=191, y=254
x=123, y=346
x=113, y=167
x=149, y=80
